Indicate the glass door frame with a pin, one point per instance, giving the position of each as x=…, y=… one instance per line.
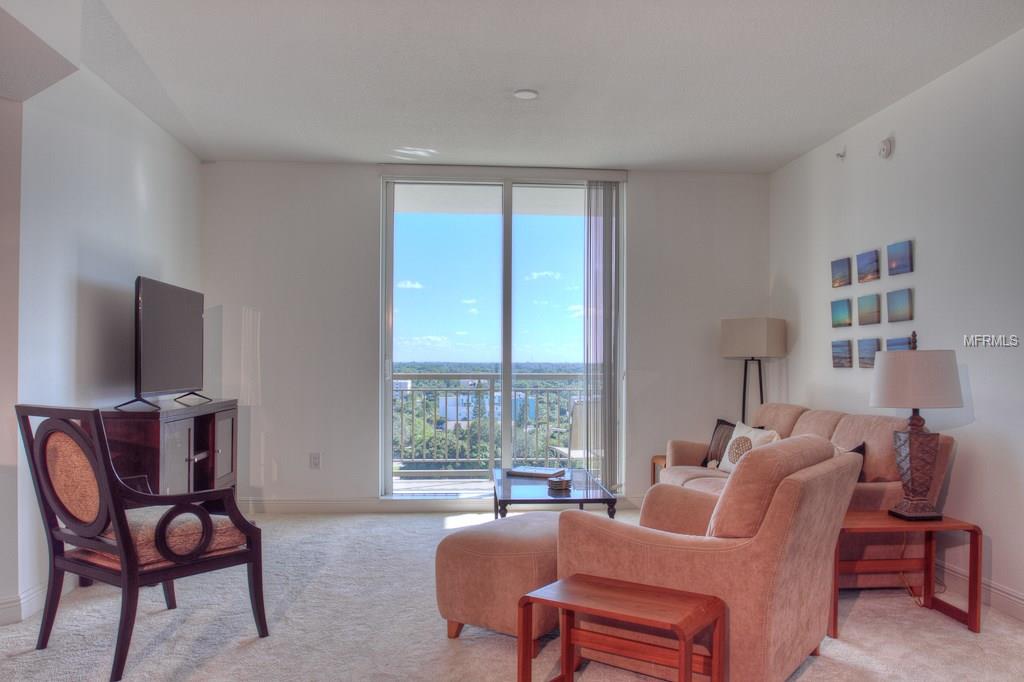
x=507, y=178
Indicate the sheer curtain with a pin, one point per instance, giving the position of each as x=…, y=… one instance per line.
x=600, y=311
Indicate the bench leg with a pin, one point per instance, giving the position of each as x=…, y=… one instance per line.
x=454, y=629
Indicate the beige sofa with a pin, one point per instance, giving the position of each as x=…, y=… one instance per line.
x=878, y=486
x=765, y=547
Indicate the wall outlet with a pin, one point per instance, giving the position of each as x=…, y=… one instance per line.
x=314, y=460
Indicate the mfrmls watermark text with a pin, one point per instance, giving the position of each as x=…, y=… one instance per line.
x=991, y=341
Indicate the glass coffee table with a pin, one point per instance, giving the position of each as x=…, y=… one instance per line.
x=526, y=490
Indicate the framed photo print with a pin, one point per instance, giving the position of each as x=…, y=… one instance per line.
x=901, y=257
x=869, y=309
x=900, y=304
x=841, y=275
x=867, y=266
x=898, y=343
x=842, y=354
x=866, y=349
x=842, y=315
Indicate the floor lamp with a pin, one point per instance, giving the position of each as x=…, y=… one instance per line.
x=751, y=339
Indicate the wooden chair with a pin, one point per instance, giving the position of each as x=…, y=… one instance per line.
x=115, y=535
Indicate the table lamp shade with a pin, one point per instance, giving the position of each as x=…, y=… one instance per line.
x=753, y=337
x=916, y=379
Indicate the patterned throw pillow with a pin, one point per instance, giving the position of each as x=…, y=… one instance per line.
x=719, y=439
x=744, y=439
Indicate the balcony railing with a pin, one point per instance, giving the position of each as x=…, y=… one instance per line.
x=449, y=425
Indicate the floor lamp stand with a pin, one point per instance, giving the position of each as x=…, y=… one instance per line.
x=760, y=385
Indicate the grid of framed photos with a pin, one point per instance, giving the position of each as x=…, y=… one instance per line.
x=868, y=309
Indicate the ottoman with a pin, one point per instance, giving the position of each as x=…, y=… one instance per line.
x=482, y=571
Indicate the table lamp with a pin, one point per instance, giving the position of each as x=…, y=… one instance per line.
x=916, y=379
x=753, y=338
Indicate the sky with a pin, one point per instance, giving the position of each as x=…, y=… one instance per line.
x=447, y=287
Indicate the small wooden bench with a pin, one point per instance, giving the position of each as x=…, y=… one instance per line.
x=684, y=613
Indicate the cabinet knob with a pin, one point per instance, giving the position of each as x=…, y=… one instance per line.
x=217, y=451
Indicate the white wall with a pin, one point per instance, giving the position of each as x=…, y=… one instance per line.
x=696, y=252
x=10, y=221
x=291, y=257
x=291, y=271
x=106, y=195
x=955, y=185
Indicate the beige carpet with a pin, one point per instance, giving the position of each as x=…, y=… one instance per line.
x=352, y=598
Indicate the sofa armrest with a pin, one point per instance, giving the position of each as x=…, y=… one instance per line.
x=685, y=453
x=675, y=509
x=592, y=545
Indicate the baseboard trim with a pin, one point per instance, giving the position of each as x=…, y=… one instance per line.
x=258, y=505
x=20, y=606
x=1003, y=599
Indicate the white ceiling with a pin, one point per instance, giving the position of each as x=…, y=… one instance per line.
x=723, y=85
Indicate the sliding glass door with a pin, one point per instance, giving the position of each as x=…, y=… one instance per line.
x=490, y=335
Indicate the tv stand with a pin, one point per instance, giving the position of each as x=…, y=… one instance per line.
x=175, y=448
x=137, y=399
x=206, y=399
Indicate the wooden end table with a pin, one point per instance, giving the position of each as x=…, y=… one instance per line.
x=684, y=613
x=883, y=522
x=531, y=490
x=657, y=461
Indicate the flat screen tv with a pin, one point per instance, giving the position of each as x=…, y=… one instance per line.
x=168, y=338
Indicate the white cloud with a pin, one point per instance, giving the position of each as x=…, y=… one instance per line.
x=469, y=301
x=538, y=302
x=573, y=287
x=424, y=341
x=575, y=311
x=473, y=311
x=409, y=284
x=544, y=274
x=461, y=333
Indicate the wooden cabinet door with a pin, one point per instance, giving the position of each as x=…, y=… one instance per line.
x=176, y=457
x=225, y=450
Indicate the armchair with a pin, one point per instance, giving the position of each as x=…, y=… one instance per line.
x=765, y=546
x=118, y=535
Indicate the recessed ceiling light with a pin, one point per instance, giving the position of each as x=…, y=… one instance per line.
x=526, y=94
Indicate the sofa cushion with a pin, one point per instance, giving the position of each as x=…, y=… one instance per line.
x=876, y=433
x=749, y=490
x=681, y=475
x=777, y=417
x=712, y=486
x=818, y=423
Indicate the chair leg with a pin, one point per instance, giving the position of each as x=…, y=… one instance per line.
x=454, y=629
x=129, y=602
x=169, y=599
x=256, y=596
x=53, y=589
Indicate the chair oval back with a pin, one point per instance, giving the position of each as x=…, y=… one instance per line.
x=69, y=477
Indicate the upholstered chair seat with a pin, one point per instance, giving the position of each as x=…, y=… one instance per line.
x=183, y=535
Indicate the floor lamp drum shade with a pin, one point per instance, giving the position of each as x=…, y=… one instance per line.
x=753, y=337
x=916, y=379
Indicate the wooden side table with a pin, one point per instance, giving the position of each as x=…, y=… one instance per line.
x=883, y=522
x=657, y=461
x=684, y=613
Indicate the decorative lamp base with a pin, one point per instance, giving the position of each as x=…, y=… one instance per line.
x=916, y=510
x=916, y=452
